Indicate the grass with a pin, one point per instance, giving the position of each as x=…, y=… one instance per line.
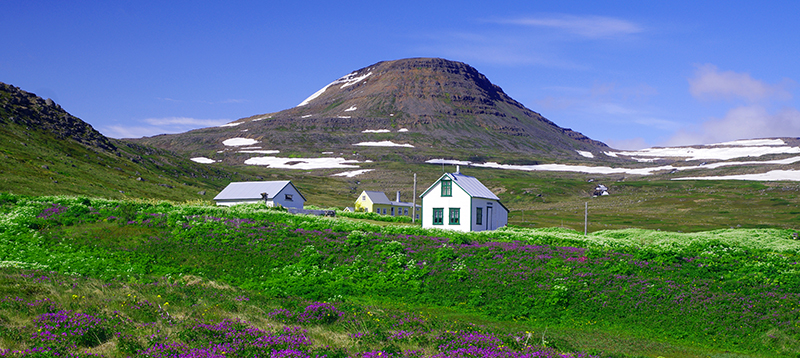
x=168, y=307
x=135, y=316
x=35, y=163
x=482, y=279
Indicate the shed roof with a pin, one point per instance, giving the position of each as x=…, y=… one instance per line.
x=253, y=190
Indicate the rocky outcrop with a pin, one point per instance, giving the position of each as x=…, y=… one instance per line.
x=27, y=109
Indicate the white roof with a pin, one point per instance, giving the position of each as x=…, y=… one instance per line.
x=253, y=190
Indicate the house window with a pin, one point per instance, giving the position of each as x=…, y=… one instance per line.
x=384, y=211
x=478, y=216
x=447, y=187
x=438, y=216
x=405, y=211
x=455, y=214
x=287, y=197
x=363, y=198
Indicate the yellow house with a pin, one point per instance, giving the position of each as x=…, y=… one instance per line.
x=377, y=202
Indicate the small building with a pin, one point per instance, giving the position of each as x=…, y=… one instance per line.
x=377, y=202
x=600, y=190
x=272, y=193
x=461, y=202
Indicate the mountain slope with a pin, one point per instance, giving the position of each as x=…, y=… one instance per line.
x=432, y=105
x=46, y=151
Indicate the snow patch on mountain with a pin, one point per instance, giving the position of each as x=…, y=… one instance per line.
x=203, y=160
x=609, y=170
x=773, y=175
x=302, y=163
x=352, y=173
x=385, y=143
x=347, y=80
x=722, y=151
x=268, y=151
x=238, y=142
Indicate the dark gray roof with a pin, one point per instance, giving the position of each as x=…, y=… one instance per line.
x=404, y=203
x=471, y=185
x=253, y=190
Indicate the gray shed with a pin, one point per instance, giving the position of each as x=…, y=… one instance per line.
x=272, y=193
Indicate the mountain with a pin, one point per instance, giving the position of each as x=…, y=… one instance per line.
x=29, y=110
x=44, y=150
x=431, y=106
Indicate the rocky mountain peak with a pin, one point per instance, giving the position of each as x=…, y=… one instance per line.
x=27, y=109
x=435, y=105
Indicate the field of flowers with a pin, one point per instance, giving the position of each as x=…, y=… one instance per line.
x=734, y=290
x=57, y=315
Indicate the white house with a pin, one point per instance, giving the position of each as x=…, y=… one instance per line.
x=461, y=202
x=271, y=193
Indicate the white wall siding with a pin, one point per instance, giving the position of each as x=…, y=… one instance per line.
x=242, y=201
x=460, y=199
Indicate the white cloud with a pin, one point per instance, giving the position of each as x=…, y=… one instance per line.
x=585, y=26
x=129, y=132
x=711, y=83
x=185, y=121
x=154, y=126
x=742, y=122
x=756, y=119
x=627, y=144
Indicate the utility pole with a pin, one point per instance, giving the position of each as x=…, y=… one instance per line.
x=414, y=201
x=585, y=217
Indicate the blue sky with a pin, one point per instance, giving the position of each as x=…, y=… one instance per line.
x=629, y=74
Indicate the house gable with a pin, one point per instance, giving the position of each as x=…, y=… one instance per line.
x=458, y=206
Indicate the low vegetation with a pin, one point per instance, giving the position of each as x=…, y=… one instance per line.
x=336, y=287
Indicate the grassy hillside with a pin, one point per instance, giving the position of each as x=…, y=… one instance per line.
x=36, y=163
x=730, y=293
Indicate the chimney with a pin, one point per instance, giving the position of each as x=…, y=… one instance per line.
x=398, y=196
x=458, y=169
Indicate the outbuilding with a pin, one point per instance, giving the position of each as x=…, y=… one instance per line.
x=377, y=202
x=461, y=202
x=272, y=193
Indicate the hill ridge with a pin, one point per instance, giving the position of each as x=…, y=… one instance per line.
x=28, y=109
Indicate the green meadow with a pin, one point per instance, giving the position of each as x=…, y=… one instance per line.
x=85, y=276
